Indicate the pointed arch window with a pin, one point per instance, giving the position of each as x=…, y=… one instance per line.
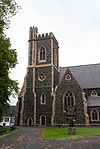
x=94, y=115
x=43, y=99
x=42, y=54
x=68, y=99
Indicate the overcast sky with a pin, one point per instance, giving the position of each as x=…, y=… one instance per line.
x=75, y=24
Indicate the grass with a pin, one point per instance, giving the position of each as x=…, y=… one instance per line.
x=51, y=133
x=7, y=130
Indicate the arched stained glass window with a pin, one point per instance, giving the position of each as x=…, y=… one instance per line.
x=69, y=99
x=94, y=115
x=42, y=54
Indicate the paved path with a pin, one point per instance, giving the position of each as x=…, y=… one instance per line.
x=31, y=138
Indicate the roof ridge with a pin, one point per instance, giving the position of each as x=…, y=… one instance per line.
x=81, y=65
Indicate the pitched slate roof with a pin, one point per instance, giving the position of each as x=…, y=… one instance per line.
x=93, y=101
x=88, y=76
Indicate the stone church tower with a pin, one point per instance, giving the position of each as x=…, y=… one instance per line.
x=36, y=97
x=48, y=91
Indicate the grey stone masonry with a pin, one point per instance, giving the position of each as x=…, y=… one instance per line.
x=48, y=90
x=60, y=113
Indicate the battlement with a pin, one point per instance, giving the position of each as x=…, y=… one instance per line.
x=45, y=35
x=33, y=34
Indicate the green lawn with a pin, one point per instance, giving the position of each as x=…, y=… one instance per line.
x=63, y=132
x=7, y=130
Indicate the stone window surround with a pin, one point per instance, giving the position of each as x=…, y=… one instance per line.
x=64, y=99
x=42, y=60
x=41, y=120
x=41, y=99
x=97, y=115
x=94, y=93
x=68, y=77
x=41, y=77
x=28, y=121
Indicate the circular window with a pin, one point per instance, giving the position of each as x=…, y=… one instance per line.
x=94, y=93
x=42, y=77
x=68, y=77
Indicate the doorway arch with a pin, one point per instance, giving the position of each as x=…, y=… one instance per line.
x=43, y=120
x=30, y=121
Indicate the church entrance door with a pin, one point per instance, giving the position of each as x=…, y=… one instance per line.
x=30, y=121
x=43, y=121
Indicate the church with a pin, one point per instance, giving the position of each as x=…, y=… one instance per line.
x=49, y=91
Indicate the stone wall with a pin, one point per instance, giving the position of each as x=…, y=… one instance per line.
x=60, y=115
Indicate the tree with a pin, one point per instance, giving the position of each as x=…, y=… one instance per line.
x=8, y=56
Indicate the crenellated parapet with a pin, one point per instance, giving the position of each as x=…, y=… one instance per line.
x=33, y=35
x=47, y=36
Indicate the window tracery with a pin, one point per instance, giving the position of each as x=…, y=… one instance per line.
x=69, y=99
x=94, y=115
x=42, y=54
x=68, y=77
x=42, y=77
x=94, y=93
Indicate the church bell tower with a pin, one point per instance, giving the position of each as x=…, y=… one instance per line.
x=41, y=79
